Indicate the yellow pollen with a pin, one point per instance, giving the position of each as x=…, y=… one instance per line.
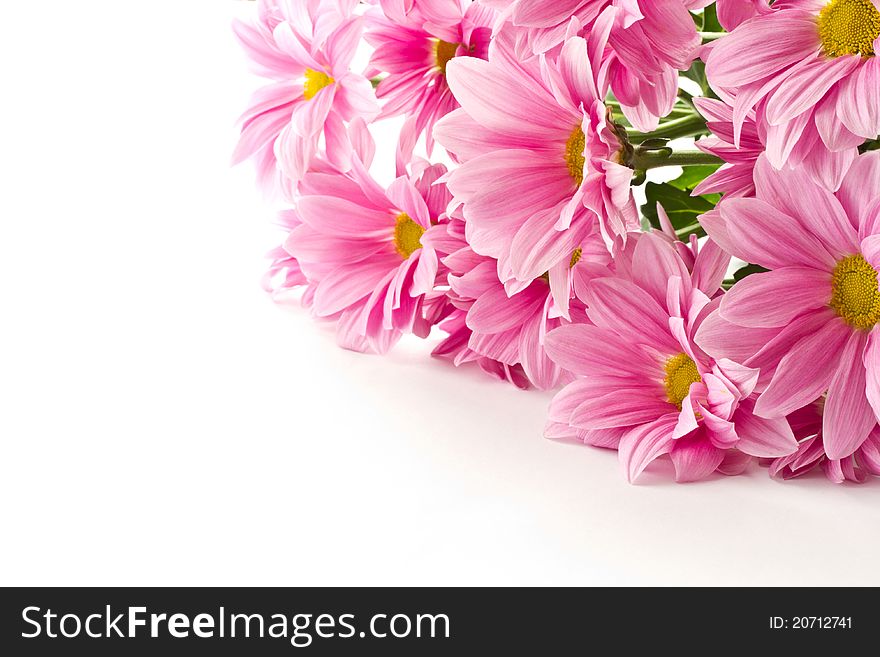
x=315, y=81
x=849, y=27
x=574, y=155
x=443, y=53
x=681, y=372
x=854, y=292
x=407, y=236
x=576, y=257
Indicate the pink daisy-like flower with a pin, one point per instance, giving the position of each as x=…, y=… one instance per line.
x=510, y=330
x=810, y=322
x=647, y=44
x=306, y=48
x=809, y=70
x=807, y=426
x=540, y=160
x=366, y=252
x=735, y=178
x=644, y=386
x=413, y=47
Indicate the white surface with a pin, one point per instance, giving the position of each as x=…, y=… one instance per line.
x=163, y=422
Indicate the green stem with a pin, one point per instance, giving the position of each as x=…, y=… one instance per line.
x=376, y=81
x=711, y=36
x=657, y=159
x=687, y=126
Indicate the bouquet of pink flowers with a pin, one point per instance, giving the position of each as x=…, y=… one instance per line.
x=729, y=315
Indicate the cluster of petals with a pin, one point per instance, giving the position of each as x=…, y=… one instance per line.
x=646, y=44
x=513, y=238
x=811, y=323
x=807, y=69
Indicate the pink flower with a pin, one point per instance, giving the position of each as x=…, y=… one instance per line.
x=807, y=426
x=810, y=323
x=808, y=69
x=306, y=49
x=540, y=168
x=644, y=386
x=735, y=178
x=644, y=44
x=366, y=252
x=510, y=329
x=414, y=47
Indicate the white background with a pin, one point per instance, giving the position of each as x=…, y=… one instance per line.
x=163, y=422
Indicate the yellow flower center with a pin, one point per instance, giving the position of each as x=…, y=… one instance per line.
x=681, y=372
x=315, y=81
x=407, y=236
x=443, y=53
x=576, y=257
x=574, y=155
x=854, y=292
x=849, y=27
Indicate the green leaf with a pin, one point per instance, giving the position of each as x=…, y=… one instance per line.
x=693, y=176
x=697, y=73
x=682, y=208
x=748, y=270
x=873, y=145
x=710, y=20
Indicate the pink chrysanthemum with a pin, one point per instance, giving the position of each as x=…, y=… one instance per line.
x=643, y=45
x=644, y=386
x=736, y=178
x=306, y=49
x=365, y=252
x=413, y=47
x=809, y=70
x=807, y=426
x=510, y=330
x=811, y=323
x=541, y=162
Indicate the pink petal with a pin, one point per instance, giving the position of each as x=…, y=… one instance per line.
x=775, y=298
x=572, y=348
x=848, y=417
x=526, y=110
x=858, y=104
x=764, y=236
x=618, y=408
x=695, y=458
x=803, y=89
x=871, y=362
x=749, y=55
x=761, y=437
x=859, y=188
x=494, y=312
x=542, y=372
x=805, y=372
x=645, y=443
x=347, y=285
x=625, y=308
x=721, y=339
